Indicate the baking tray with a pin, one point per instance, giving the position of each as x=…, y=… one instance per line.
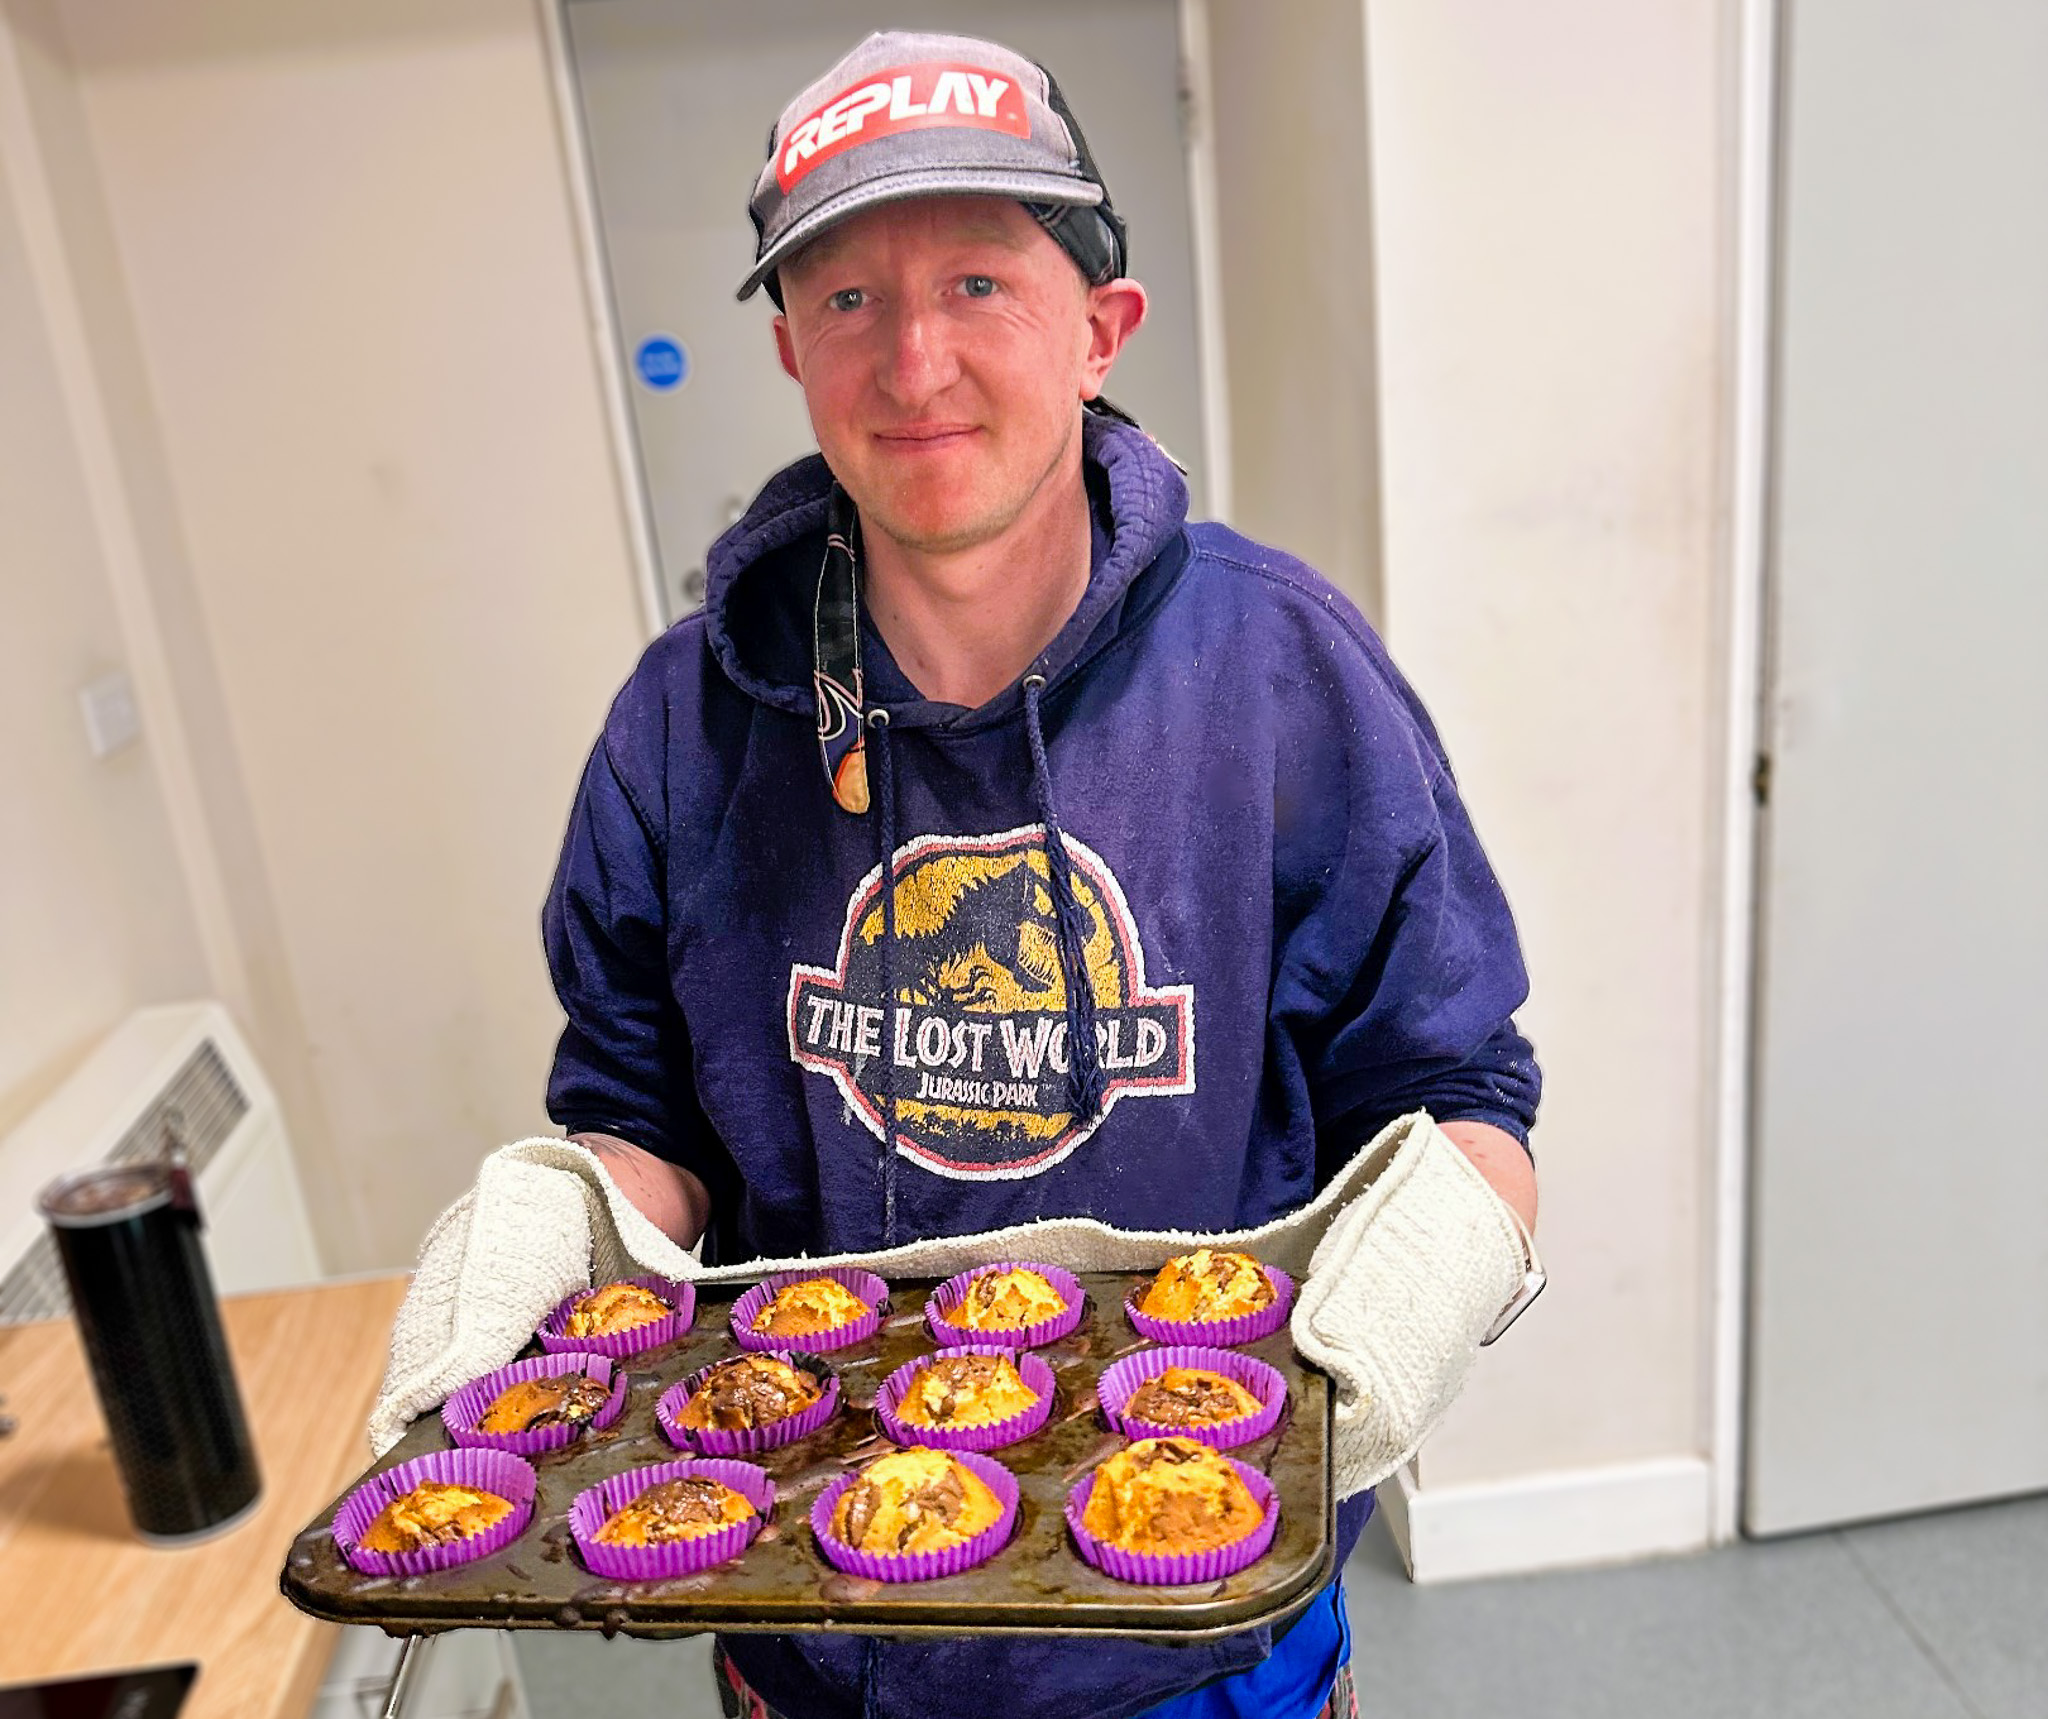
x=1037, y=1585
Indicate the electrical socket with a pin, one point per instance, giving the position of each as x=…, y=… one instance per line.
x=111, y=719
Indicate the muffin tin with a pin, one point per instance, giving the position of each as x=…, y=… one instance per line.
x=1038, y=1584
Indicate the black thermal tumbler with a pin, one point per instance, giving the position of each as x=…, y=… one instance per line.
x=150, y=1325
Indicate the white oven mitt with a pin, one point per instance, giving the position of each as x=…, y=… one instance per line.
x=1404, y=1260
x=1405, y=1281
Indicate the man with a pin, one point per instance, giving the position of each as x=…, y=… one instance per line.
x=995, y=846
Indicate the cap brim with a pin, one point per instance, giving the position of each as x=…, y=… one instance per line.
x=1026, y=187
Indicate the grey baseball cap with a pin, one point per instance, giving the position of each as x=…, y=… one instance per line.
x=910, y=114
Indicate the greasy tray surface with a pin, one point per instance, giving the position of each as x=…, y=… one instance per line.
x=1035, y=1585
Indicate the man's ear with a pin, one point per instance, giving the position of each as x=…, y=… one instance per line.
x=1115, y=309
x=785, y=349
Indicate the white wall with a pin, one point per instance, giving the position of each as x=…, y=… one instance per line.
x=94, y=915
x=1286, y=116
x=1552, y=257
x=345, y=238
x=133, y=516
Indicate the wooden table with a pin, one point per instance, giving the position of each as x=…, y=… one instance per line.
x=80, y=1594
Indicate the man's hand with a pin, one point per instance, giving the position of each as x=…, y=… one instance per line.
x=1504, y=1162
x=667, y=1195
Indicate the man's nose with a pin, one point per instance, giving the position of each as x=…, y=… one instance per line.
x=917, y=361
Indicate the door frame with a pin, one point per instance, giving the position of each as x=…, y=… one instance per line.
x=600, y=316
x=1745, y=693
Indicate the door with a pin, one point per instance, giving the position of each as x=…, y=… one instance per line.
x=677, y=101
x=1899, y=1305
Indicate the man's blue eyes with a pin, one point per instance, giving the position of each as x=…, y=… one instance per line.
x=852, y=298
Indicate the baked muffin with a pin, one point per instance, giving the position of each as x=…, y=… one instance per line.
x=750, y=1391
x=552, y=1400
x=1190, y=1397
x=1169, y=1496
x=965, y=1391
x=615, y=1308
x=914, y=1500
x=685, y=1509
x=808, y=1307
x=1205, y=1285
x=1006, y=1301
x=433, y=1513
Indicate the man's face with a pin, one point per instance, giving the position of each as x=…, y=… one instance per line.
x=945, y=346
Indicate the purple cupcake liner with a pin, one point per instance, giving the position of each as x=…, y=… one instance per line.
x=921, y=1566
x=1157, y=1570
x=1120, y=1381
x=864, y=1284
x=950, y=1293
x=1036, y=1374
x=554, y=1329
x=499, y=1471
x=595, y=1506
x=747, y=1441
x=1222, y=1333
x=461, y=1412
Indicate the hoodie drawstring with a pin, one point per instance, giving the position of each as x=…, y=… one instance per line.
x=885, y=768
x=871, y=1678
x=1084, y=1070
x=1085, y=1081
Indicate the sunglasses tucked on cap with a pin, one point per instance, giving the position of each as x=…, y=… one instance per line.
x=908, y=114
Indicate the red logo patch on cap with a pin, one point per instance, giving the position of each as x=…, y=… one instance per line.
x=906, y=98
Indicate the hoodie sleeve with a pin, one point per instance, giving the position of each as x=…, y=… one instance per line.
x=1400, y=970
x=624, y=1054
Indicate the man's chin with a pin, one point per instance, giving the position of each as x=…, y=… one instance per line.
x=944, y=528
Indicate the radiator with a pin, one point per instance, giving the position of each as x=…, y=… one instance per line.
x=179, y=1067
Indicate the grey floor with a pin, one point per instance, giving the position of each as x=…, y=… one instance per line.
x=1939, y=1617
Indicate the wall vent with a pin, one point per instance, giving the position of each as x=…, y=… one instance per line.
x=180, y=1070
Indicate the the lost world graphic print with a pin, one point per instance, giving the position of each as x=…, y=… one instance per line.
x=976, y=1034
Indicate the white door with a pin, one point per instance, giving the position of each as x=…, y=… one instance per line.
x=677, y=100
x=1899, y=1324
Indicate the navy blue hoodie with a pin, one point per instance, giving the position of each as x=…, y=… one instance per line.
x=1289, y=932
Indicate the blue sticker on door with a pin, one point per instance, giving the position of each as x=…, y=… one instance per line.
x=662, y=362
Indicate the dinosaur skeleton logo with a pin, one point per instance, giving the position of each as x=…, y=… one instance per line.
x=975, y=1036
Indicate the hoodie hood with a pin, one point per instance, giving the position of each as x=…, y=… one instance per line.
x=761, y=576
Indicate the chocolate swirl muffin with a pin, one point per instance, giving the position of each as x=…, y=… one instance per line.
x=1006, y=1301
x=914, y=1500
x=809, y=1308
x=683, y=1509
x=433, y=1513
x=965, y=1391
x=1208, y=1284
x=615, y=1308
x=750, y=1391
x=1190, y=1397
x=1169, y=1496
x=552, y=1400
